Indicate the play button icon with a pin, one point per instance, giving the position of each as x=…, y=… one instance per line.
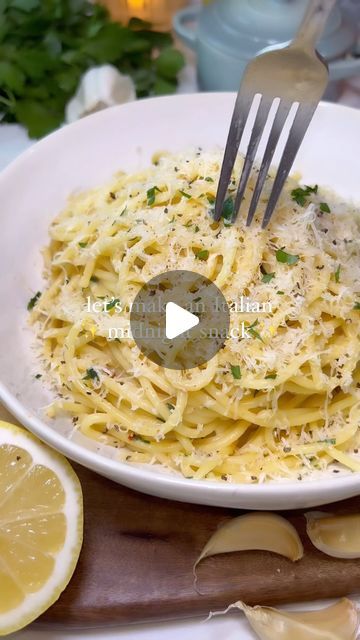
x=179, y=319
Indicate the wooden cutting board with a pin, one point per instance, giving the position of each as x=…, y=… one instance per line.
x=138, y=553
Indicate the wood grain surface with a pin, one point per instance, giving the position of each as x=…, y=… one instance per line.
x=138, y=553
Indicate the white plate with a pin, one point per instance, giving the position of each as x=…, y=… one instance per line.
x=35, y=187
x=233, y=626
x=228, y=628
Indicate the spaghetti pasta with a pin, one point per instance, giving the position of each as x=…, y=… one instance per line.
x=279, y=402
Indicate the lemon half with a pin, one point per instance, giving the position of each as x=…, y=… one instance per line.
x=41, y=526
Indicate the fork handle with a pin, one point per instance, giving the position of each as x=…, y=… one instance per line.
x=313, y=23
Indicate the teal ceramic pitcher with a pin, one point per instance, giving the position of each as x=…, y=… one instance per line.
x=226, y=34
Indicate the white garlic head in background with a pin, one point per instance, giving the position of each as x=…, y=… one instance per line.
x=99, y=88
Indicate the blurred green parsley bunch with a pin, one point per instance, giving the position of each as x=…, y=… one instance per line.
x=46, y=46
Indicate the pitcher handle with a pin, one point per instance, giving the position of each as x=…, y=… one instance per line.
x=181, y=28
x=346, y=68
x=338, y=69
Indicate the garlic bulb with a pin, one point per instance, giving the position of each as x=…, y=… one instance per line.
x=99, y=88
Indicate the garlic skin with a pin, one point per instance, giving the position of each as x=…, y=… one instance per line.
x=336, y=536
x=337, y=622
x=255, y=531
x=99, y=88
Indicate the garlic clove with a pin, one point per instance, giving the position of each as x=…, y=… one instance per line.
x=255, y=531
x=99, y=88
x=337, y=622
x=336, y=536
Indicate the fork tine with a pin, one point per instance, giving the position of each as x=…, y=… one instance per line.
x=237, y=126
x=258, y=129
x=297, y=133
x=275, y=133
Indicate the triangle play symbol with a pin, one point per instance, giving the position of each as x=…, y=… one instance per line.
x=178, y=320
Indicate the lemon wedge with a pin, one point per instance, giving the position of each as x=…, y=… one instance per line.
x=41, y=526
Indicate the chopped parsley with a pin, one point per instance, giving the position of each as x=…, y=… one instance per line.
x=328, y=441
x=324, y=207
x=266, y=277
x=31, y=304
x=253, y=332
x=236, y=371
x=286, y=258
x=196, y=229
x=337, y=274
x=208, y=179
x=202, y=255
x=228, y=211
x=91, y=374
x=280, y=293
x=141, y=439
x=210, y=199
x=271, y=376
x=301, y=194
x=83, y=244
x=357, y=306
x=186, y=195
x=38, y=376
x=94, y=279
x=151, y=195
x=110, y=305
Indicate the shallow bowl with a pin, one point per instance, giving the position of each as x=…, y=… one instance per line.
x=34, y=188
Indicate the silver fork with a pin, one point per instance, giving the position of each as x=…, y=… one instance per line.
x=297, y=75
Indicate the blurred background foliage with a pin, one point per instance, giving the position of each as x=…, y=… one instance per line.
x=46, y=46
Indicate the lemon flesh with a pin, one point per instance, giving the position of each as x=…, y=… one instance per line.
x=41, y=526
